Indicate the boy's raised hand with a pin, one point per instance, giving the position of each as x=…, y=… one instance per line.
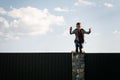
x=90, y=30
x=70, y=28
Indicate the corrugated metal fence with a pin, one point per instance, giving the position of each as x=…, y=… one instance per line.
x=35, y=66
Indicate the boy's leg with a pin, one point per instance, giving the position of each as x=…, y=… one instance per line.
x=76, y=46
x=80, y=47
x=80, y=50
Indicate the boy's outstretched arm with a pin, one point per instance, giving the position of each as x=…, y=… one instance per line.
x=87, y=32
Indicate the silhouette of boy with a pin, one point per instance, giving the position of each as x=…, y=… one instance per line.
x=79, y=36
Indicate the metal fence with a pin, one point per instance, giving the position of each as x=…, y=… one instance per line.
x=35, y=66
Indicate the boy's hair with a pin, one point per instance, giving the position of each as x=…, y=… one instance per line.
x=78, y=23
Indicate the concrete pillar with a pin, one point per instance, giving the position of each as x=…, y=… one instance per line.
x=78, y=66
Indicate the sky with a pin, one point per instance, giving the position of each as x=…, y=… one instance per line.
x=43, y=25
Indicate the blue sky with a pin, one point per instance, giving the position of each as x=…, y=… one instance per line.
x=43, y=25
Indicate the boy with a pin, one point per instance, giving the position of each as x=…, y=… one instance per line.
x=79, y=36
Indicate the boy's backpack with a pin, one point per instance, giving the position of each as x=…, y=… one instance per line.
x=80, y=35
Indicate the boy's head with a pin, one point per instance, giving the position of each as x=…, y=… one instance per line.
x=78, y=25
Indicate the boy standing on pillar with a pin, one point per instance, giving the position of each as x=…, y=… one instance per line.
x=79, y=36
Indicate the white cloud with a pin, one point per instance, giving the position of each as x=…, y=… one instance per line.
x=34, y=21
x=61, y=9
x=4, y=22
x=31, y=21
x=2, y=11
x=84, y=2
x=109, y=5
x=116, y=32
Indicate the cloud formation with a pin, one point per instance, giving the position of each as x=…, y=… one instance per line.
x=29, y=21
x=2, y=11
x=4, y=22
x=109, y=5
x=116, y=32
x=59, y=9
x=84, y=3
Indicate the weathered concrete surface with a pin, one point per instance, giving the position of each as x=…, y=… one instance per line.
x=78, y=66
